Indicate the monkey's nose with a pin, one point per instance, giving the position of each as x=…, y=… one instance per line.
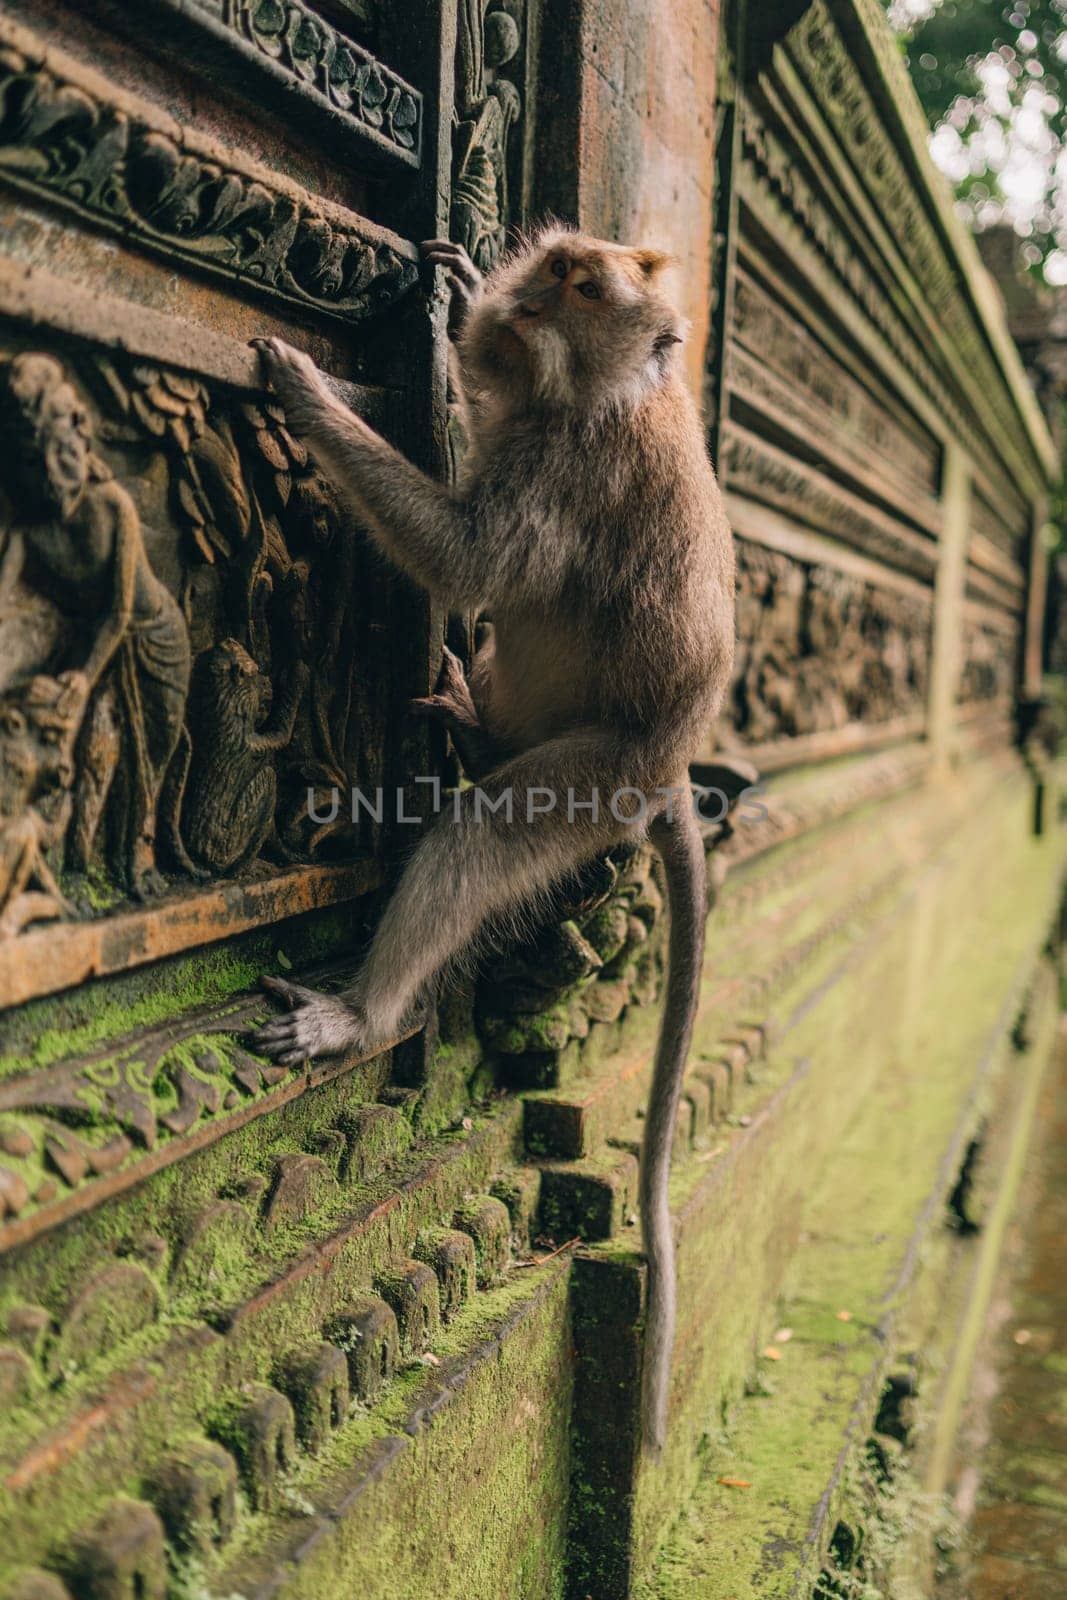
x=527, y=311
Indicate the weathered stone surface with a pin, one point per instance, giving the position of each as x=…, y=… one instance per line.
x=521, y=1193
x=122, y=1556
x=115, y=1303
x=259, y=1426
x=32, y=1583
x=16, y=1374
x=374, y=1137
x=412, y=1290
x=300, y=1182
x=488, y=1223
x=316, y=1381
x=451, y=1254
x=589, y=1199
x=195, y=1492
x=368, y=1333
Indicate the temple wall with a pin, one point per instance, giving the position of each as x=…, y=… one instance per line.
x=307, y=1331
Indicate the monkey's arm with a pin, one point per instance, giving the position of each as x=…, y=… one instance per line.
x=418, y=523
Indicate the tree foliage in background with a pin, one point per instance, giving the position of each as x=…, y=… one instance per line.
x=992, y=78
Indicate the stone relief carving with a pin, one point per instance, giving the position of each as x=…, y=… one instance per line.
x=817, y=383
x=487, y=107
x=136, y=713
x=229, y=805
x=989, y=660
x=585, y=965
x=818, y=649
x=38, y=721
x=123, y=166
x=751, y=466
x=345, y=75
x=80, y=532
x=66, y=1125
x=823, y=57
x=773, y=169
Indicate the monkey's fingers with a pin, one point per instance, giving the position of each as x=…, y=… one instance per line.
x=285, y=368
x=452, y=679
x=462, y=271
x=432, y=706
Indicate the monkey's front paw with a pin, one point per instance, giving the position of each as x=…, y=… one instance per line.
x=316, y=1025
x=294, y=378
x=464, y=279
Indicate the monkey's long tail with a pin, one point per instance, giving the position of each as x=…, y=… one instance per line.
x=679, y=843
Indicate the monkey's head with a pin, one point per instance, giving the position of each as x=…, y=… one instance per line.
x=574, y=322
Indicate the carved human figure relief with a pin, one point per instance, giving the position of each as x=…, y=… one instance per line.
x=76, y=534
x=488, y=106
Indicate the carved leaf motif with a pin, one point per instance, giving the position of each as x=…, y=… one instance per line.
x=56, y=136
x=404, y=120
x=346, y=75
x=162, y=1088
x=269, y=17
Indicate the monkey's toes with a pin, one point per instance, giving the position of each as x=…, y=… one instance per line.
x=292, y=993
x=278, y=1039
x=434, y=707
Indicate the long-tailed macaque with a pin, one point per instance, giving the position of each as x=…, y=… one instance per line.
x=589, y=524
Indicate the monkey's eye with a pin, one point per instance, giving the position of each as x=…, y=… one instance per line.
x=589, y=290
x=559, y=268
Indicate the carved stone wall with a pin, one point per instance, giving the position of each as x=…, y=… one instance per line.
x=375, y=1326
x=201, y=661
x=852, y=363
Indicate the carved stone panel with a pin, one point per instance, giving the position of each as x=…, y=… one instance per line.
x=116, y=163
x=819, y=649
x=188, y=625
x=488, y=106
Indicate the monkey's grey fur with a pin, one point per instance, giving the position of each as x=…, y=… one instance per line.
x=589, y=524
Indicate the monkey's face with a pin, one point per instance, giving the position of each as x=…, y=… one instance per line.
x=582, y=319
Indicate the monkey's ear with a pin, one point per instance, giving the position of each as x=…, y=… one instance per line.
x=652, y=262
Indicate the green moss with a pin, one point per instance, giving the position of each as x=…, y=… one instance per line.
x=42, y=1032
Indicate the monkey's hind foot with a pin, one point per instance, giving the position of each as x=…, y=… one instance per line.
x=451, y=701
x=316, y=1025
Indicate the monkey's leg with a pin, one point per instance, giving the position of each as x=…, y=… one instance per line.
x=453, y=706
x=475, y=865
